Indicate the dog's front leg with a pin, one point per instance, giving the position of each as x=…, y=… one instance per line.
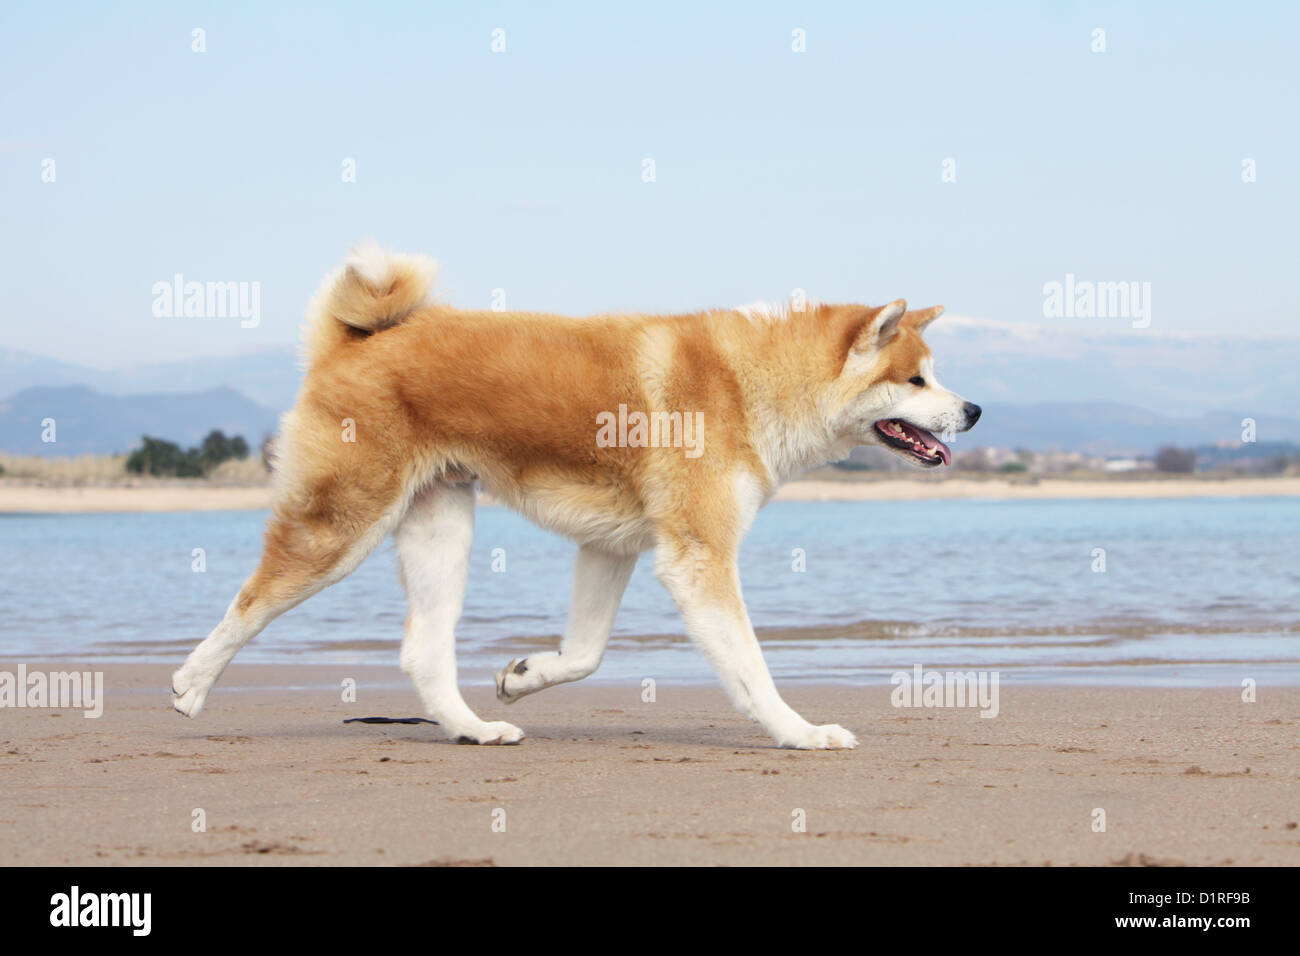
x=599, y=579
x=705, y=585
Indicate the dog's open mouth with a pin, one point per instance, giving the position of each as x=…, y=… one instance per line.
x=920, y=444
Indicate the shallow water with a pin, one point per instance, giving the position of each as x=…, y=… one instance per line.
x=1195, y=591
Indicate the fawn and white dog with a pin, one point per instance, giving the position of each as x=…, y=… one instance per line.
x=623, y=432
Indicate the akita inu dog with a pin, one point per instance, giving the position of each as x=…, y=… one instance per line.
x=408, y=404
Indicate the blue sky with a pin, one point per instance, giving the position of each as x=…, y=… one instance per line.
x=522, y=170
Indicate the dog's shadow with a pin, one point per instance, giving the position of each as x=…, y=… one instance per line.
x=422, y=730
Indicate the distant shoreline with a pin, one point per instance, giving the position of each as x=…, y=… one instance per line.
x=203, y=496
x=1001, y=489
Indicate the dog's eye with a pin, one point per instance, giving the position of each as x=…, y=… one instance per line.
x=916, y=380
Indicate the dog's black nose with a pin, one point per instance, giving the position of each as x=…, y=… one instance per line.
x=972, y=414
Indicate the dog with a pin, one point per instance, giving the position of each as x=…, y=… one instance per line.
x=623, y=432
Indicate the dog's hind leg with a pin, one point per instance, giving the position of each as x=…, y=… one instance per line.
x=301, y=556
x=599, y=580
x=433, y=546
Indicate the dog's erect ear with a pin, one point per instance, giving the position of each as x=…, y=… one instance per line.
x=878, y=326
x=922, y=317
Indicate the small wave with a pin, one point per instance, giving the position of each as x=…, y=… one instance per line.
x=1108, y=629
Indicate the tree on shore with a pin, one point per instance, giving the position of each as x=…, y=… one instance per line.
x=157, y=456
x=1176, y=460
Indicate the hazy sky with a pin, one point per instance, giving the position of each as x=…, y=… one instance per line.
x=523, y=170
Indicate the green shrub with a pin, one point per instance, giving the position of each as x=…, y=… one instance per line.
x=157, y=456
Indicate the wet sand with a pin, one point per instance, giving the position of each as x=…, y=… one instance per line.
x=1184, y=776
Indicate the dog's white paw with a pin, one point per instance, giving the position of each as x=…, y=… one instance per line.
x=825, y=737
x=188, y=693
x=516, y=669
x=492, y=733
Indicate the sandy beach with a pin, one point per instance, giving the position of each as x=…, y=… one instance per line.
x=1184, y=777
x=199, y=496
x=202, y=496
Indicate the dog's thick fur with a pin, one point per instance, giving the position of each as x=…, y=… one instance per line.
x=408, y=403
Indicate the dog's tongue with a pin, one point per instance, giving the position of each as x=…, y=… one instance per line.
x=931, y=443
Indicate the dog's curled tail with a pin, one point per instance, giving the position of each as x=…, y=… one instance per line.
x=373, y=290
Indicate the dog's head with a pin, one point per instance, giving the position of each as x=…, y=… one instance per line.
x=887, y=392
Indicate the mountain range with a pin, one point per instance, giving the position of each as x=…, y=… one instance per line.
x=1174, y=374
x=1112, y=428
x=269, y=377
x=87, y=422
